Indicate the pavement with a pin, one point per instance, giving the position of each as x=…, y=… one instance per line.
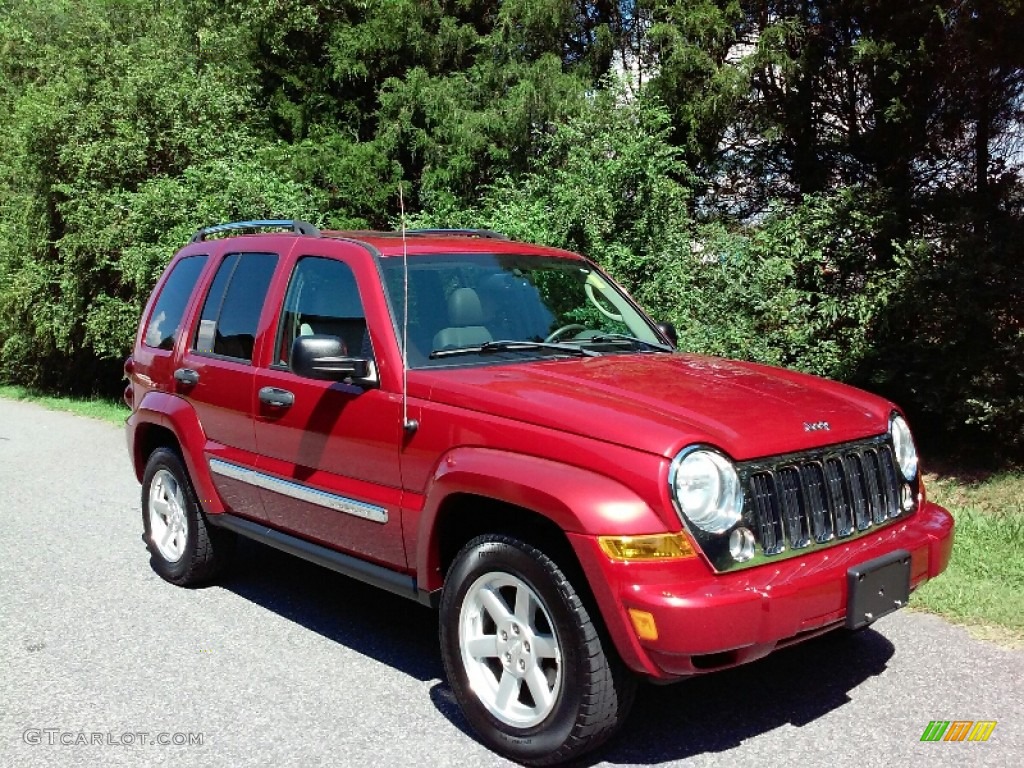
x=285, y=664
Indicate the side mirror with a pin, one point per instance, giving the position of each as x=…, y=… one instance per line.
x=669, y=332
x=323, y=357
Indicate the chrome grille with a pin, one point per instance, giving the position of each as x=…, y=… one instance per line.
x=812, y=500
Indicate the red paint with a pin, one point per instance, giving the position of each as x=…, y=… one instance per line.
x=586, y=443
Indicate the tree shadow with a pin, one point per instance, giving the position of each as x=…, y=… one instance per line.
x=945, y=468
x=711, y=713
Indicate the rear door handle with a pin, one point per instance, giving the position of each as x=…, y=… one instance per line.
x=277, y=398
x=186, y=376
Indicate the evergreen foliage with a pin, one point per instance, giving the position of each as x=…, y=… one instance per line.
x=834, y=186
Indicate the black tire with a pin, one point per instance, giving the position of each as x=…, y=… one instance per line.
x=206, y=548
x=594, y=690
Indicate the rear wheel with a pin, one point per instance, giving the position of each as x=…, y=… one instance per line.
x=186, y=550
x=528, y=667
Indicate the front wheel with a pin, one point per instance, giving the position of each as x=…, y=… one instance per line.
x=527, y=665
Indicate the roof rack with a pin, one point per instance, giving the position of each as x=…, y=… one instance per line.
x=295, y=225
x=488, y=234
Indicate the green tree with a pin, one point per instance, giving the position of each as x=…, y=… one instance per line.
x=102, y=101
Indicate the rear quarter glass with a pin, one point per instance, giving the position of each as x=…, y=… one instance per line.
x=165, y=319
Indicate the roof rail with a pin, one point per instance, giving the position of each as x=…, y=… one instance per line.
x=295, y=225
x=489, y=234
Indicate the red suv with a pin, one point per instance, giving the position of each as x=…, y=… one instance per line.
x=496, y=429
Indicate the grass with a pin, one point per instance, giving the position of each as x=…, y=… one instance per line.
x=113, y=411
x=984, y=585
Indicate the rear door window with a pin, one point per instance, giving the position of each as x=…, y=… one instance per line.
x=231, y=314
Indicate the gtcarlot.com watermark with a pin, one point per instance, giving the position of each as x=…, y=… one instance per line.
x=58, y=737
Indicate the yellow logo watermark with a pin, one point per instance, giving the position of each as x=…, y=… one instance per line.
x=958, y=730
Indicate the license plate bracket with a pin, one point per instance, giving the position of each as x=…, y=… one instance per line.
x=877, y=587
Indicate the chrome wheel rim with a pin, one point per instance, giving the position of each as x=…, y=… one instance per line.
x=168, y=523
x=510, y=651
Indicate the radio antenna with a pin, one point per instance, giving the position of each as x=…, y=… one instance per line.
x=409, y=425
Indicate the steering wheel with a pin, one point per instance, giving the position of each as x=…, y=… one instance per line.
x=558, y=333
x=589, y=288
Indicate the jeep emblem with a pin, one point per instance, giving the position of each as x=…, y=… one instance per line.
x=817, y=426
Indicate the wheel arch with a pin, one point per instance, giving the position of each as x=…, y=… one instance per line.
x=163, y=420
x=550, y=505
x=481, y=490
x=458, y=522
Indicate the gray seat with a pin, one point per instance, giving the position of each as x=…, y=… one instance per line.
x=465, y=318
x=428, y=311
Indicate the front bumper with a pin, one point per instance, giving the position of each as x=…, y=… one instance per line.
x=709, y=621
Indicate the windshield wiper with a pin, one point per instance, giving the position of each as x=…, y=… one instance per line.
x=513, y=346
x=606, y=337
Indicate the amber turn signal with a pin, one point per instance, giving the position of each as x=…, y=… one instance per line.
x=662, y=546
x=643, y=624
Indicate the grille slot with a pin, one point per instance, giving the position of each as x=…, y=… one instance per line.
x=817, y=499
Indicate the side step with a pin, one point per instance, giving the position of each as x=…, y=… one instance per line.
x=370, y=573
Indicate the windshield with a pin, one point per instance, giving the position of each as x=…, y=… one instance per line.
x=467, y=308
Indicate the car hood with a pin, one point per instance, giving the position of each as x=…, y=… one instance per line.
x=659, y=403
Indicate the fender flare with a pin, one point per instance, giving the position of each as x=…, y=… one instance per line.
x=179, y=417
x=576, y=500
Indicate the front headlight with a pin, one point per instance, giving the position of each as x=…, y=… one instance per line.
x=707, y=490
x=903, y=445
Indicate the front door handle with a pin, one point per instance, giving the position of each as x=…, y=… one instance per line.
x=277, y=398
x=186, y=376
